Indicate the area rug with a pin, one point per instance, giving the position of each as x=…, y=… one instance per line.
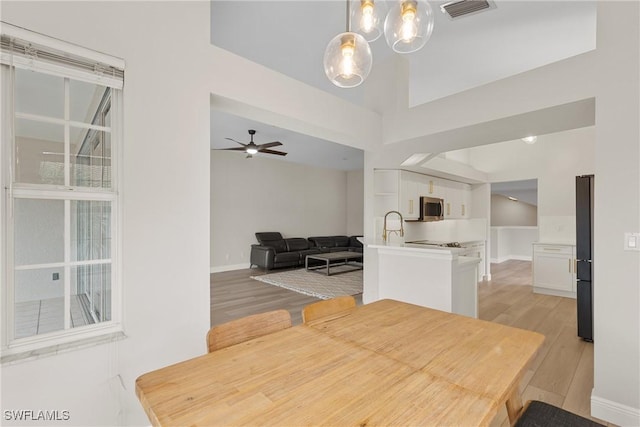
x=316, y=284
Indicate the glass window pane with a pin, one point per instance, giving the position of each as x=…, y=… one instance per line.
x=91, y=294
x=91, y=158
x=39, y=93
x=90, y=230
x=39, y=301
x=39, y=152
x=39, y=231
x=86, y=102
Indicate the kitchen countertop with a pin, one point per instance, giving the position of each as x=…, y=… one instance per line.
x=433, y=246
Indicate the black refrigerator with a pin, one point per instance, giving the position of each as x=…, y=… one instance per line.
x=584, y=255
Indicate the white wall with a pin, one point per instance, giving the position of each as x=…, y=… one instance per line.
x=512, y=243
x=509, y=212
x=264, y=194
x=616, y=393
x=355, y=203
x=171, y=72
x=166, y=210
x=555, y=160
x=165, y=206
x=611, y=74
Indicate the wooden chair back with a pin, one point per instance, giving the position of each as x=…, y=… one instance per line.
x=327, y=307
x=247, y=328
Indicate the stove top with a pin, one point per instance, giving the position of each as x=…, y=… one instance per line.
x=440, y=244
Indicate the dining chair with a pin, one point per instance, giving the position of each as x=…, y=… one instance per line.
x=327, y=307
x=247, y=328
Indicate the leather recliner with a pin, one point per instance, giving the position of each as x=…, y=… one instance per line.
x=273, y=251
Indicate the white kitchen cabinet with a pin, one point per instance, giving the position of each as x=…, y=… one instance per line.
x=409, y=195
x=477, y=250
x=401, y=191
x=465, y=201
x=457, y=198
x=554, y=269
x=435, y=187
x=386, y=184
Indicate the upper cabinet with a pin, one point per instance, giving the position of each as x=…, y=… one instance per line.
x=386, y=187
x=432, y=186
x=456, y=200
x=401, y=191
x=409, y=195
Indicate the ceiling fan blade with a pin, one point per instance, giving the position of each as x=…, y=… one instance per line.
x=269, y=145
x=279, y=153
x=231, y=139
x=232, y=149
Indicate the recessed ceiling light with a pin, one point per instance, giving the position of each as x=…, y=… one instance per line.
x=513, y=199
x=530, y=139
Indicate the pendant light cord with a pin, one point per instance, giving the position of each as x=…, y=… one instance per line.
x=348, y=17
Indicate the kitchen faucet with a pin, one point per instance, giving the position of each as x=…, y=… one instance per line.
x=386, y=231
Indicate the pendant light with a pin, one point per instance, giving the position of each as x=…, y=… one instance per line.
x=369, y=18
x=347, y=58
x=408, y=25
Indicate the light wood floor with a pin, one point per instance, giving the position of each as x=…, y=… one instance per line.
x=561, y=374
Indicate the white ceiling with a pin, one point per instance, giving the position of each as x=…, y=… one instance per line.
x=300, y=148
x=525, y=191
x=290, y=37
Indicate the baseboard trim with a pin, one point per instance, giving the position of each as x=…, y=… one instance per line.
x=614, y=412
x=509, y=257
x=554, y=292
x=222, y=268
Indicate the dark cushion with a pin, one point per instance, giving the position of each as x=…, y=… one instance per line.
x=541, y=414
x=323, y=241
x=341, y=241
x=273, y=239
x=268, y=236
x=354, y=242
x=286, y=257
x=297, y=244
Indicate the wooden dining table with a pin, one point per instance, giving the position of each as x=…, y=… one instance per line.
x=386, y=363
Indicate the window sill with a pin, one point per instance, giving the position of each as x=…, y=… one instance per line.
x=52, y=350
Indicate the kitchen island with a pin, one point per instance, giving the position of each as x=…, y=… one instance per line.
x=427, y=275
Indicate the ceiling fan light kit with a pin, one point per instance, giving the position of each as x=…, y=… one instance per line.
x=407, y=28
x=252, y=148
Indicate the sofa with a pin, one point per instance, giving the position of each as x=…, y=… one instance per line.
x=274, y=251
x=336, y=243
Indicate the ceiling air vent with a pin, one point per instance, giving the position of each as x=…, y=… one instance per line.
x=460, y=8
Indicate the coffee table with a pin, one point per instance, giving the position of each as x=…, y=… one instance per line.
x=332, y=259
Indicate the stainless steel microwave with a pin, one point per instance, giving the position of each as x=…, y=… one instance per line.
x=431, y=209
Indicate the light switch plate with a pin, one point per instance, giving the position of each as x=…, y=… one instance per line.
x=632, y=241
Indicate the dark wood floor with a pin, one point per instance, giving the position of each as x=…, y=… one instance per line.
x=561, y=374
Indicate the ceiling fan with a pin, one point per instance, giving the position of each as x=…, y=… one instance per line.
x=252, y=148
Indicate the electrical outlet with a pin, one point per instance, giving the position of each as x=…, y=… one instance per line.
x=632, y=241
x=56, y=276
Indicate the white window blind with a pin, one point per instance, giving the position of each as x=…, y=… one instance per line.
x=25, y=49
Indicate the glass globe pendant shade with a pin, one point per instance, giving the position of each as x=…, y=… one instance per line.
x=368, y=15
x=347, y=60
x=408, y=25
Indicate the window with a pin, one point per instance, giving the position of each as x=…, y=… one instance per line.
x=61, y=133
